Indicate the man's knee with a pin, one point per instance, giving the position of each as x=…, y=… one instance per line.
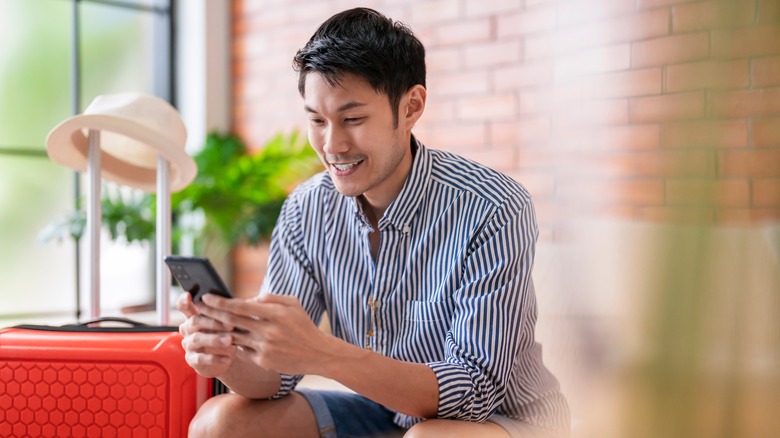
x=214, y=416
x=235, y=416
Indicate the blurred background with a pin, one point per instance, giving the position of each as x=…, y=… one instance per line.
x=648, y=132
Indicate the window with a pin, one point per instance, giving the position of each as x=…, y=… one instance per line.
x=55, y=57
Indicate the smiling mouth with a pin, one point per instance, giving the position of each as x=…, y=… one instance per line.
x=343, y=167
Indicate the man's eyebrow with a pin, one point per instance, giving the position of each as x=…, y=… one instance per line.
x=344, y=107
x=350, y=105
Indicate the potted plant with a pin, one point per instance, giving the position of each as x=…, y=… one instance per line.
x=233, y=202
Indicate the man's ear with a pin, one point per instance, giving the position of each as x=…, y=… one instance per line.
x=413, y=104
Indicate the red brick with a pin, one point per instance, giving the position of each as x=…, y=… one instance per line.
x=766, y=192
x=625, y=138
x=670, y=49
x=708, y=74
x=741, y=43
x=701, y=192
x=717, y=134
x=535, y=130
x=768, y=11
x=624, y=29
x=643, y=4
x=461, y=136
x=493, y=7
x=747, y=216
x=542, y=19
x=540, y=100
x=309, y=12
x=540, y=184
x=636, y=26
x=249, y=266
x=541, y=46
x=268, y=19
x=272, y=62
x=501, y=159
x=503, y=133
x=766, y=71
x=667, y=107
x=459, y=84
x=536, y=158
x=437, y=110
x=523, y=75
x=631, y=192
x=592, y=113
x=581, y=161
x=625, y=84
x=550, y=211
x=594, y=61
x=490, y=54
x=440, y=59
x=747, y=103
x=749, y=163
x=712, y=15
x=676, y=215
x=574, y=12
x=766, y=132
x=431, y=12
x=669, y=163
x=463, y=32
x=502, y=106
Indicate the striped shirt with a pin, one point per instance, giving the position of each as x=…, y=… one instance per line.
x=450, y=287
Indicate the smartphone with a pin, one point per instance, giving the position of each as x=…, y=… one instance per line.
x=197, y=276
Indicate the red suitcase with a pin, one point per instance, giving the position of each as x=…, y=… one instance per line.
x=89, y=380
x=82, y=381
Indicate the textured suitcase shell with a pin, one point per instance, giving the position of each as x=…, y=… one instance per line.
x=96, y=383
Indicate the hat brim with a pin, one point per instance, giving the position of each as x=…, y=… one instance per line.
x=67, y=144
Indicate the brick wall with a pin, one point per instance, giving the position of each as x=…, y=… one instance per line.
x=654, y=110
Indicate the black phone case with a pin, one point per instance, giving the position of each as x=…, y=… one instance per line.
x=197, y=276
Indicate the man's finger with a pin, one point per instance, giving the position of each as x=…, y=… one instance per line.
x=249, y=309
x=185, y=306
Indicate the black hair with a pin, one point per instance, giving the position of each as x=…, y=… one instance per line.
x=365, y=43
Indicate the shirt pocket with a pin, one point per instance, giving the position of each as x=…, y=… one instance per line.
x=423, y=332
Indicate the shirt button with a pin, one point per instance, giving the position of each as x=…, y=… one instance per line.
x=407, y=229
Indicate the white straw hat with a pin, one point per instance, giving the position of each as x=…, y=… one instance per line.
x=134, y=128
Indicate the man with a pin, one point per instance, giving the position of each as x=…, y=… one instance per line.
x=420, y=259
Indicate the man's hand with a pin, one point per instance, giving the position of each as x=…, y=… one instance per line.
x=274, y=331
x=207, y=343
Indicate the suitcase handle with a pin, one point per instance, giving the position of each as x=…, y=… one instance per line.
x=97, y=321
x=93, y=326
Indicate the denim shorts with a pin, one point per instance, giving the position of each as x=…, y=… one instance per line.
x=348, y=415
x=343, y=414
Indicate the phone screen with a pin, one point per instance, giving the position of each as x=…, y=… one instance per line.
x=197, y=276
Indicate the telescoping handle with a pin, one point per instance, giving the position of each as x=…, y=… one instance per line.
x=163, y=240
x=94, y=224
x=94, y=220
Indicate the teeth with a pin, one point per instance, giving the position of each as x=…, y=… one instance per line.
x=343, y=167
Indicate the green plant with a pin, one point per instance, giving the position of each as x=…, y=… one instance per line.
x=239, y=194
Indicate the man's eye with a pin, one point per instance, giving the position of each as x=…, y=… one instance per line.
x=316, y=121
x=353, y=119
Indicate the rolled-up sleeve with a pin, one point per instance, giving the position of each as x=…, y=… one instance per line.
x=493, y=317
x=290, y=273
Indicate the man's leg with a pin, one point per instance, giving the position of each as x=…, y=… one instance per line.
x=230, y=415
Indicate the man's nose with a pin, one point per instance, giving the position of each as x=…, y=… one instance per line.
x=336, y=141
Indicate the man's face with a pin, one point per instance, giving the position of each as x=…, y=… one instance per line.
x=351, y=128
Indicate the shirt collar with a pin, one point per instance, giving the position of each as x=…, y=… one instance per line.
x=402, y=210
